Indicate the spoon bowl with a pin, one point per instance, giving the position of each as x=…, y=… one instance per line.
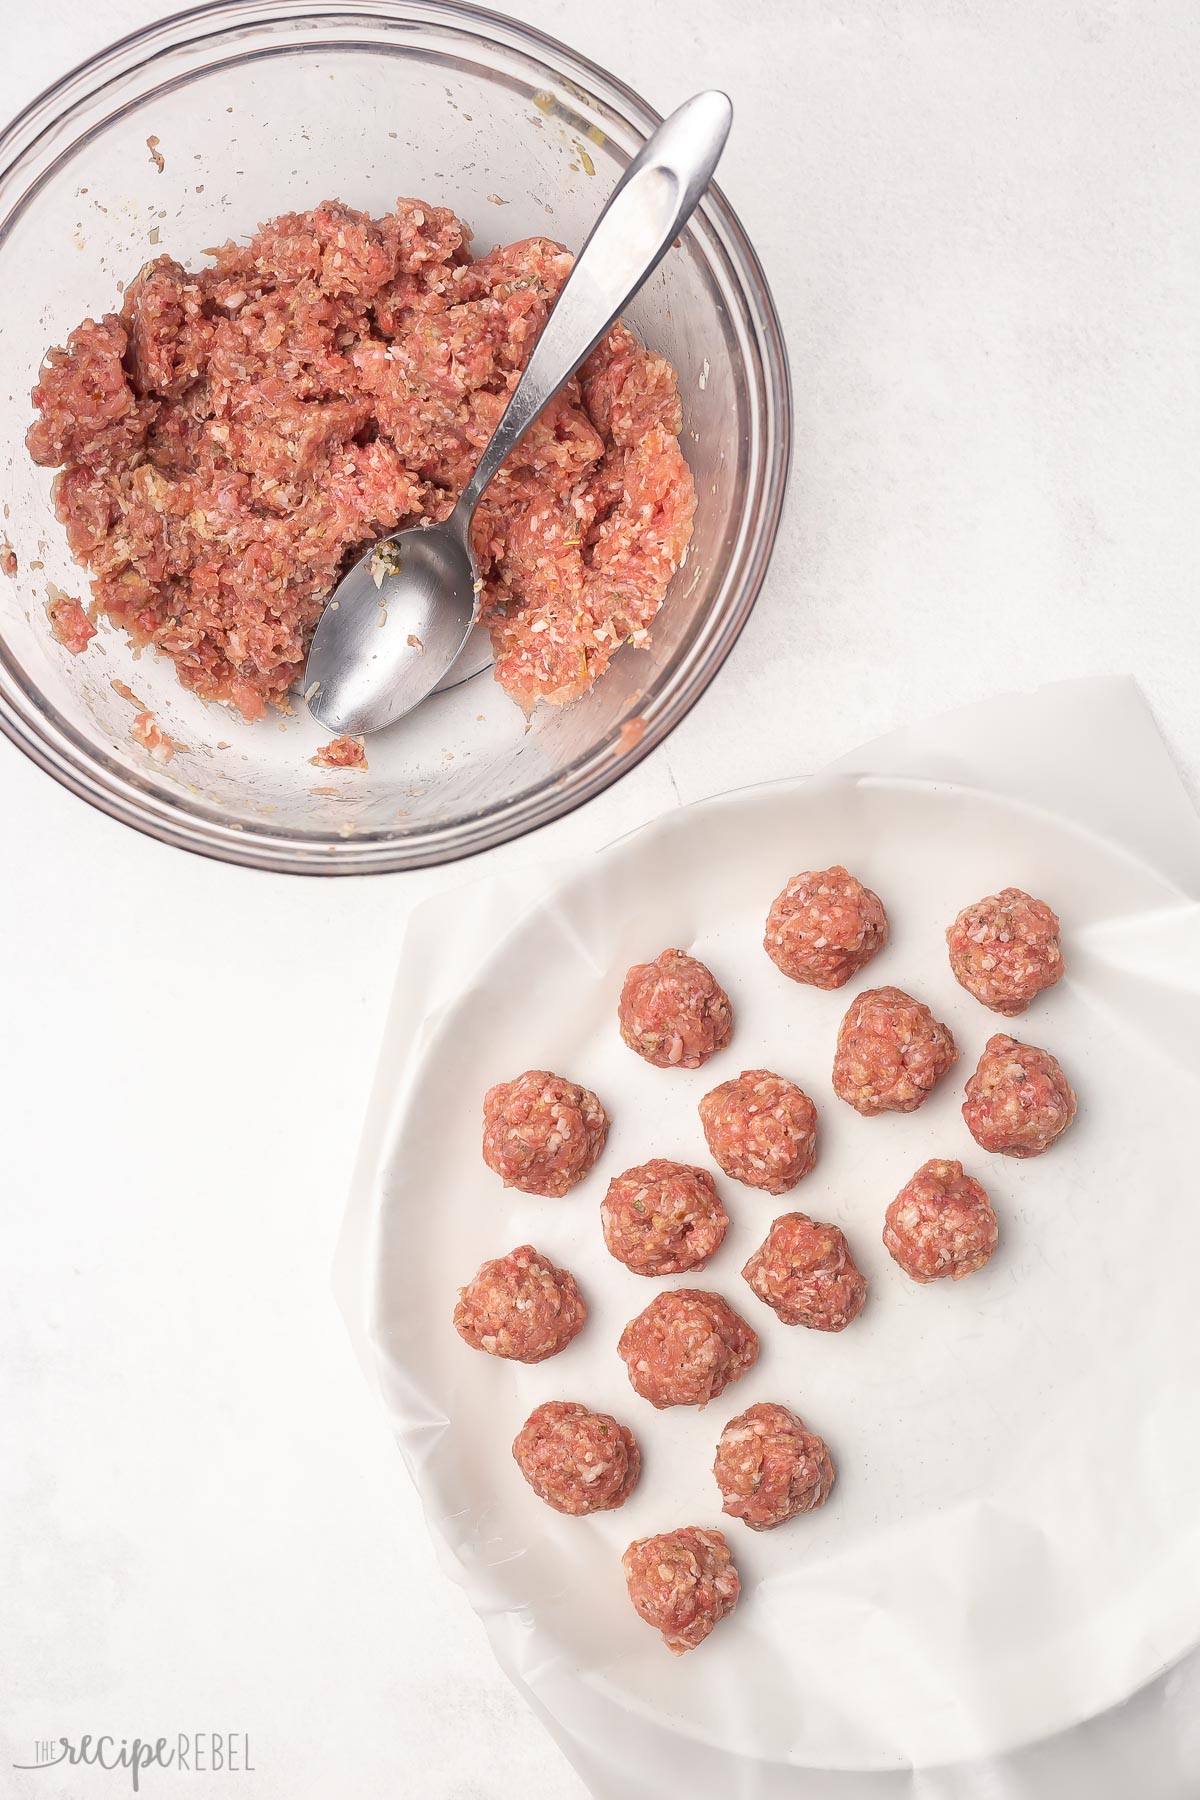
x=400, y=617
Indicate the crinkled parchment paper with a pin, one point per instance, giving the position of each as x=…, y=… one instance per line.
x=1002, y=1595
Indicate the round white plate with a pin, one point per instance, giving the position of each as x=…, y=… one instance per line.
x=1011, y=1545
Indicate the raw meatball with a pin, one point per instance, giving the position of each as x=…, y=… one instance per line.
x=1018, y=1100
x=940, y=1223
x=575, y=1460
x=663, y=1218
x=683, y=1583
x=542, y=1134
x=806, y=1274
x=520, y=1306
x=1005, y=950
x=686, y=1347
x=761, y=1129
x=769, y=1467
x=891, y=1051
x=674, y=1012
x=825, y=927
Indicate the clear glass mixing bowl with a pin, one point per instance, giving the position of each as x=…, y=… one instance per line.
x=261, y=106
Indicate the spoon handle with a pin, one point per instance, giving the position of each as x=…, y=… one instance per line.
x=646, y=211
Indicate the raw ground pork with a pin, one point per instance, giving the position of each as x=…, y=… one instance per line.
x=805, y=1273
x=1018, y=1101
x=891, y=1053
x=762, y=1130
x=770, y=1467
x=663, y=1218
x=576, y=1460
x=232, y=437
x=683, y=1583
x=940, y=1223
x=686, y=1347
x=1006, y=949
x=542, y=1133
x=520, y=1306
x=824, y=927
x=674, y=1012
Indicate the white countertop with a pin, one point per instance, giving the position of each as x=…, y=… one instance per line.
x=981, y=227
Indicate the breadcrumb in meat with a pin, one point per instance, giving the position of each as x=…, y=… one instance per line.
x=576, y=1460
x=940, y=1223
x=683, y=1583
x=237, y=434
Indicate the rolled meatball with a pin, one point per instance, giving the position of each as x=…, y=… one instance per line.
x=674, y=1012
x=825, y=927
x=761, y=1129
x=1018, y=1100
x=770, y=1467
x=663, y=1218
x=542, y=1134
x=1005, y=950
x=940, y=1223
x=891, y=1053
x=686, y=1347
x=575, y=1460
x=683, y=1583
x=520, y=1306
x=805, y=1273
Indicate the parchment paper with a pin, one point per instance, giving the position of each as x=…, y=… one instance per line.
x=1013, y=1546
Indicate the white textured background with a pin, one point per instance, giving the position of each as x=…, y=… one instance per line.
x=980, y=219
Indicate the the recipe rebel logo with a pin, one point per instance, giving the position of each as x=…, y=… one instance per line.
x=189, y=1753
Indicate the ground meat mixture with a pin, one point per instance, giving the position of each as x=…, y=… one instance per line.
x=1018, y=1100
x=1005, y=950
x=683, y=1583
x=152, y=737
x=520, y=1306
x=686, y=1347
x=804, y=1271
x=825, y=927
x=770, y=1467
x=891, y=1052
x=542, y=1134
x=341, y=753
x=69, y=623
x=575, y=1460
x=761, y=1129
x=940, y=1223
x=663, y=1218
x=233, y=437
x=673, y=1012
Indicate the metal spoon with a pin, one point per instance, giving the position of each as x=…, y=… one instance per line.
x=402, y=614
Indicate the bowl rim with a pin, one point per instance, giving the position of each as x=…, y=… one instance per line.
x=37, y=733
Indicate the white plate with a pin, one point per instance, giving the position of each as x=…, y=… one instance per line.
x=1012, y=1544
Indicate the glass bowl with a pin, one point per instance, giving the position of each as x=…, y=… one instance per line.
x=260, y=107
